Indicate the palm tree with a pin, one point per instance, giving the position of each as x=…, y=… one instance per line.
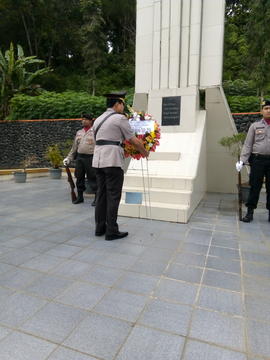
x=16, y=76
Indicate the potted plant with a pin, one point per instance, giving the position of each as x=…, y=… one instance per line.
x=53, y=154
x=20, y=175
x=234, y=144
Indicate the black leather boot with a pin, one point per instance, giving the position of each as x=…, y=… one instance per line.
x=79, y=198
x=269, y=215
x=249, y=216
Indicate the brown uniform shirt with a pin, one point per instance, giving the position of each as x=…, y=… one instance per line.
x=115, y=128
x=257, y=140
x=84, y=143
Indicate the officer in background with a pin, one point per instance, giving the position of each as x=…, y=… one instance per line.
x=82, y=150
x=111, y=129
x=256, y=152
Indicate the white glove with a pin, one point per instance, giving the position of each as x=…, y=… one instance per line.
x=66, y=162
x=239, y=165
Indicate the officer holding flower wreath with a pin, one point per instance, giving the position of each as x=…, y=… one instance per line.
x=111, y=129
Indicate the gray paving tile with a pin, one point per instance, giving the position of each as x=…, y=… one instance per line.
x=4, y=332
x=121, y=305
x=257, y=308
x=256, y=257
x=218, y=329
x=18, y=242
x=184, y=272
x=119, y=261
x=43, y=263
x=17, y=308
x=195, y=248
x=65, y=354
x=63, y=250
x=190, y=259
x=166, y=242
x=138, y=283
x=167, y=316
x=176, y=291
x=221, y=300
x=18, y=279
x=149, y=268
x=18, y=256
x=90, y=256
x=202, y=237
x=54, y=322
x=71, y=269
x=224, y=252
x=102, y=275
x=129, y=249
x=5, y=267
x=156, y=254
x=222, y=280
x=227, y=265
x=18, y=346
x=258, y=338
x=48, y=286
x=40, y=245
x=107, y=336
x=256, y=270
x=256, y=286
x=150, y=344
x=196, y=350
x=82, y=295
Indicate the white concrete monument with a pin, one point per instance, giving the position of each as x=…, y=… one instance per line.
x=179, y=54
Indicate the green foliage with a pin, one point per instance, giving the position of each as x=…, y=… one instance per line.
x=239, y=87
x=233, y=143
x=50, y=105
x=16, y=76
x=53, y=154
x=240, y=104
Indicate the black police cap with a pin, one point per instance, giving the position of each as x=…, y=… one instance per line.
x=265, y=103
x=87, y=116
x=116, y=95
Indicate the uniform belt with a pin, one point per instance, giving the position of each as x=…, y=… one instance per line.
x=108, y=142
x=84, y=155
x=259, y=156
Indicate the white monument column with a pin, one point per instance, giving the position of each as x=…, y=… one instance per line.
x=179, y=51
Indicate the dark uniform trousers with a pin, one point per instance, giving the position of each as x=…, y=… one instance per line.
x=110, y=182
x=84, y=166
x=259, y=168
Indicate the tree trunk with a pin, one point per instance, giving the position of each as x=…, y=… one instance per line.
x=27, y=34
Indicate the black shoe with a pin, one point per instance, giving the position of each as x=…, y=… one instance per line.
x=116, y=236
x=93, y=203
x=78, y=201
x=269, y=216
x=248, y=218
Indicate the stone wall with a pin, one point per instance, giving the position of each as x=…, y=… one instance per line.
x=19, y=139
x=244, y=120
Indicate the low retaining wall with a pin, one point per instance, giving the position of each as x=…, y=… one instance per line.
x=22, y=138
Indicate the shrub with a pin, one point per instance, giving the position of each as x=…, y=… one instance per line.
x=240, y=104
x=51, y=105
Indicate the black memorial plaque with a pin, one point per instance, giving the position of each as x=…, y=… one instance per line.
x=171, y=107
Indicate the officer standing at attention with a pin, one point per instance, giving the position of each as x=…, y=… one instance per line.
x=256, y=152
x=111, y=129
x=82, y=150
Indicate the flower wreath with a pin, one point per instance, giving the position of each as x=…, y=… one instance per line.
x=147, y=130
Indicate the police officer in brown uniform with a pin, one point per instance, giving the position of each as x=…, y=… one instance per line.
x=111, y=129
x=83, y=149
x=256, y=152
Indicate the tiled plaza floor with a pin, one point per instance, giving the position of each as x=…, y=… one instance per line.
x=196, y=291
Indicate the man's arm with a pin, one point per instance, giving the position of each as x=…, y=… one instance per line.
x=139, y=146
x=248, y=145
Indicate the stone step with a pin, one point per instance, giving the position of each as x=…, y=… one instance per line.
x=167, y=196
x=158, y=211
x=176, y=183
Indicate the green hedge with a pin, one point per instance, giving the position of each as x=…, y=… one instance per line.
x=51, y=105
x=240, y=104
